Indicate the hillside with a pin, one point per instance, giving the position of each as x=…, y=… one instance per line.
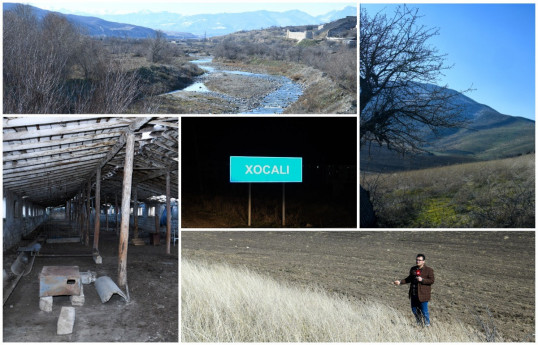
x=492, y=194
x=488, y=135
x=98, y=27
x=225, y=23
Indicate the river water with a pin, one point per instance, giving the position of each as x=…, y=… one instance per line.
x=274, y=103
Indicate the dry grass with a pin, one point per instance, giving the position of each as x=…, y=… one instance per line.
x=491, y=194
x=320, y=93
x=232, y=212
x=225, y=304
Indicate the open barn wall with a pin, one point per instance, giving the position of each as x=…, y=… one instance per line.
x=146, y=222
x=21, y=217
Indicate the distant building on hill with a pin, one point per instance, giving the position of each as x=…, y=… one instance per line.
x=299, y=35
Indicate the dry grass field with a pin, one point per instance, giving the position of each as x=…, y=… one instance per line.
x=485, y=280
x=225, y=304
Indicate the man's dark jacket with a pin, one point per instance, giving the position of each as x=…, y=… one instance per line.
x=425, y=286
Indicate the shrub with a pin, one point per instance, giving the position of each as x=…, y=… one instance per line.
x=493, y=194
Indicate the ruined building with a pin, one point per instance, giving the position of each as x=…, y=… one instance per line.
x=90, y=198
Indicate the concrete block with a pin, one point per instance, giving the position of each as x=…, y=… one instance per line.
x=66, y=321
x=98, y=259
x=78, y=300
x=45, y=303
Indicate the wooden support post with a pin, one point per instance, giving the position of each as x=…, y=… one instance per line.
x=168, y=214
x=125, y=207
x=88, y=213
x=77, y=212
x=106, y=213
x=97, y=210
x=78, y=217
x=157, y=220
x=135, y=211
x=82, y=216
x=116, y=209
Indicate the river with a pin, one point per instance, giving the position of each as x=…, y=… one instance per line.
x=274, y=103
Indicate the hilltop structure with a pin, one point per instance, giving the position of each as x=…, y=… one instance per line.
x=343, y=30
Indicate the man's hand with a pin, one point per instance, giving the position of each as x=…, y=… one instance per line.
x=419, y=279
x=396, y=282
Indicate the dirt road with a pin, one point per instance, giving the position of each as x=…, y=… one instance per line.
x=473, y=270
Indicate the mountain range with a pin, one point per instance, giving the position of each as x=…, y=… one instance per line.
x=94, y=26
x=225, y=23
x=488, y=135
x=144, y=23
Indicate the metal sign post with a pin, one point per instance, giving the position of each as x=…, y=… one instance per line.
x=249, y=202
x=283, y=204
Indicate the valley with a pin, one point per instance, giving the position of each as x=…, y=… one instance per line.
x=236, y=91
x=99, y=71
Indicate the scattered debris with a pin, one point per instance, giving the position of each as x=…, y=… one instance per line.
x=97, y=258
x=66, y=321
x=138, y=242
x=64, y=240
x=78, y=300
x=106, y=288
x=87, y=277
x=45, y=303
x=59, y=280
x=19, y=266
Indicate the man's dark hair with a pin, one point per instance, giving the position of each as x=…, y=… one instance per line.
x=423, y=256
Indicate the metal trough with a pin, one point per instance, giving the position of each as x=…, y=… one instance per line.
x=59, y=281
x=106, y=288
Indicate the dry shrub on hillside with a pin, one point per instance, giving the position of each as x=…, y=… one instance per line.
x=339, y=62
x=50, y=66
x=491, y=194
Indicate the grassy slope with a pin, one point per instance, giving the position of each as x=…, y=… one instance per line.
x=220, y=303
x=496, y=193
x=512, y=138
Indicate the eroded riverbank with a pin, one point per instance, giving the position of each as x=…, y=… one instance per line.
x=225, y=90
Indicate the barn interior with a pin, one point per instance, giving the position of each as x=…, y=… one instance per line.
x=74, y=268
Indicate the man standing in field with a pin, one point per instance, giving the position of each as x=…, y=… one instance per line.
x=421, y=279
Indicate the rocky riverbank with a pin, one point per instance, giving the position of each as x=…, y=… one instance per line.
x=226, y=91
x=321, y=95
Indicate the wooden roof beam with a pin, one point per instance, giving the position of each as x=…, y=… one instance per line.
x=12, y=146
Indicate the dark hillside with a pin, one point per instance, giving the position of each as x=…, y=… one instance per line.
x=93, y=26
x=488, y=135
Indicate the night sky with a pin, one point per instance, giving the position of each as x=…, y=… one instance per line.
x=327, y=194
x=317, y=140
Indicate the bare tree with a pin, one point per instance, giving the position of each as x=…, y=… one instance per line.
x=40, y=60
x=158, y=47
x=35, y=61
x=399, y=101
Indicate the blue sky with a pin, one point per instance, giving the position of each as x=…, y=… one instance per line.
x=188, y=8
x=492, y=48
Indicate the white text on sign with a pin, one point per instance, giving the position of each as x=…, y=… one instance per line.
x=267, y=170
